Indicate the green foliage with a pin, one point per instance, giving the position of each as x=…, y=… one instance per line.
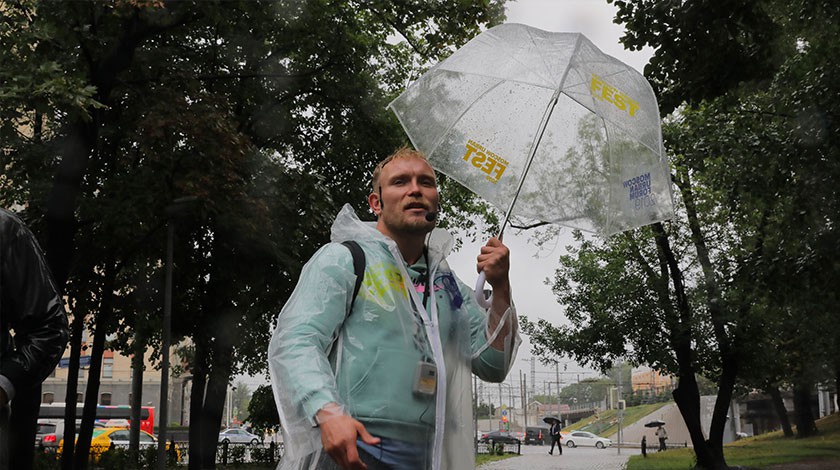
x=702, y=49
x=241, y=397
x=586, y=391
x=760, y=452
x=262, y=411
x=486, y=410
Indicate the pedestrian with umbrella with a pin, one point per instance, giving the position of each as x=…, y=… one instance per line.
x=662, y=434
x=554, y=432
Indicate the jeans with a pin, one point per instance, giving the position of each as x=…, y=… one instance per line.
x=390, y=454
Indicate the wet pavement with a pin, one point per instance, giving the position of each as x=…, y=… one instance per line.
x=579, y=458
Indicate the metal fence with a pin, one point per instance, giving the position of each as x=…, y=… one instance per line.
x=498, y=447
x=119, y=457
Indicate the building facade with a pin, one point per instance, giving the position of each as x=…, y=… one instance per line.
x=115, y=384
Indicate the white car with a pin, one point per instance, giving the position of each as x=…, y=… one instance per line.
x=583, y=438
x=238, y=436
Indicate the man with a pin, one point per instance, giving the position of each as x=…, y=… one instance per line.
x=31, y=306
x=554, y=431
x=382, y=380
x=662, y=434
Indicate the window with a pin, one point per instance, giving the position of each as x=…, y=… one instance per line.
x=108, y=368
x=48, y=398
x=105, y=398
x=80, y=398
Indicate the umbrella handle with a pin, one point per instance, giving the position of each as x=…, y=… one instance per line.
x=479, y=291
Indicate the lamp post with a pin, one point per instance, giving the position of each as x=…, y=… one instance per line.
x=171, y=212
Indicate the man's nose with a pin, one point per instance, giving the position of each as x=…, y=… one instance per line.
x=414, y=187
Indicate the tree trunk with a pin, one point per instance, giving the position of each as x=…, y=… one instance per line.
x=687, y=394
x=781, y=411
x=137, y=364
x=729, y=356
x=197, y=392
x=687, y=398
x=837, y=390
x=61, y=202
x=217, y=382
x=77, y=328
x=726, y=386
x=212, y=411
x=94, y=373
x=805, y=424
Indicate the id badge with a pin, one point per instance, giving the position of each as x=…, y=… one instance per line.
x=425, y=379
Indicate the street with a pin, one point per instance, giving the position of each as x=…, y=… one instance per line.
x=579, y=458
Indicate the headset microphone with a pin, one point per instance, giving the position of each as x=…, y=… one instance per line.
x=432, y=216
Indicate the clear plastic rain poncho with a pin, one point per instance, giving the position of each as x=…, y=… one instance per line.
x=584, y=125
x=366, y=360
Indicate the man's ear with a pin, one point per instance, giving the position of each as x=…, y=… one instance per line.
x=375, y=203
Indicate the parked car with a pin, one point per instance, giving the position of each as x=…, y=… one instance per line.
x=49, y=433
x=536, y=435
x=499, y=437
x=583, y=438
x=238, y=436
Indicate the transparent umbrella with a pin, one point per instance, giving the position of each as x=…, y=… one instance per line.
x=546, y=127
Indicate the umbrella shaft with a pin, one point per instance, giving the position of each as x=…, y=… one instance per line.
x=532, y=152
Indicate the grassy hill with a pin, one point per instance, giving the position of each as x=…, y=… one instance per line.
x=765, y=451
x=605, y=423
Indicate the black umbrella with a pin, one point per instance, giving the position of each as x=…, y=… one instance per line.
x=654, y=424
x=551, y=420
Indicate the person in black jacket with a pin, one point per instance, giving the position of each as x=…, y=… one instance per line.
x=32, y=308
x=555, y=437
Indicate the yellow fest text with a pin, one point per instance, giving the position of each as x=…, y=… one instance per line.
x=606, y=92
x=486, y=161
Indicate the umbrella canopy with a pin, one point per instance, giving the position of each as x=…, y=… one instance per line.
x=545, y=126
x=550, y=420
x=654, y=424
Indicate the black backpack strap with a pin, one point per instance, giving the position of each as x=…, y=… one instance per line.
x=359, y=263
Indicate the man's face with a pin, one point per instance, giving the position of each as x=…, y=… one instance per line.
x=408, y=191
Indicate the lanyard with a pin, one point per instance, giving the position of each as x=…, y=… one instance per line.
x=430, y=322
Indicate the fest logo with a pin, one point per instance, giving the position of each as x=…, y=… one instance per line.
x=492, y=165
x=606, y=92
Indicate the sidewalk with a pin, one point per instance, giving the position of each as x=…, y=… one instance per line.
x=580, y=458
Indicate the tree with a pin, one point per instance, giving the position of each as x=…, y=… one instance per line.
x=586, y=391
x=485, y=410
x=240, y=398
x=270, y=113
x=262, y=411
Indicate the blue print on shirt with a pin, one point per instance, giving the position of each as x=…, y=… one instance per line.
x=448, y=282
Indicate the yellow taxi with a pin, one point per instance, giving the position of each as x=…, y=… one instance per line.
x=103, y=439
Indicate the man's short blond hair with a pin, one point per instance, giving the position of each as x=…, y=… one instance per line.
x=402, y=152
